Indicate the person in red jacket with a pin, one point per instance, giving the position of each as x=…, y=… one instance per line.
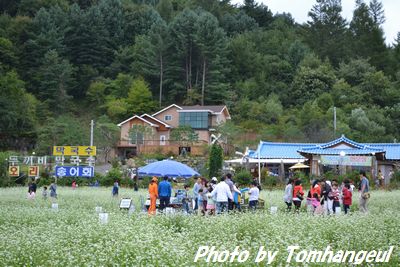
x=298, y=194
x=347, y=197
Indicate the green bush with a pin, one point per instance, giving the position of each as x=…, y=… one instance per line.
x=243, y=177
x=113, y=175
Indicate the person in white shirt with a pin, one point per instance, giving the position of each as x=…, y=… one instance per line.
x=221, y=194
x=254, y=193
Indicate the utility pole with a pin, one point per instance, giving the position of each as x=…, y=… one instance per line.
x=91, y=132
x=334, y=122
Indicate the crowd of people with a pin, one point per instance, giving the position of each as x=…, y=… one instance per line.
x=326, y=197
x=209, y=197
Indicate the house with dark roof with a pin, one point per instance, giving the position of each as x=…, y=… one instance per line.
x=154, y=134
x=341, y=154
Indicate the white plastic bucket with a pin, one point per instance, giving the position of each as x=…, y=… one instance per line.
x=54, y=206
x=103, y=218
x=274, y=210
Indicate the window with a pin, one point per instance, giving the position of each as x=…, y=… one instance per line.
x=137, y=138
x=168, y=117
x=196, y=120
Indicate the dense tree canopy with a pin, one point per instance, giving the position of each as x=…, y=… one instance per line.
x=64, y=62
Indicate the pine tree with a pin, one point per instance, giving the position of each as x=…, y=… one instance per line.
x=215, y=160
x=326, y=32
x=151, y=54
x=368, y=39
x=376, y=11
x=211, y=42
x=56, y=81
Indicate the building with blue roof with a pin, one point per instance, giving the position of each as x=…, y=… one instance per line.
x=342, y=154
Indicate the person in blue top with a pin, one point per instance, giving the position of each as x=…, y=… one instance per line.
x=164, y=193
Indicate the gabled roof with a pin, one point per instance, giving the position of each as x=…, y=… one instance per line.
x=137, y=117
x=164, y=109
x=343, y=139
x=157, y=120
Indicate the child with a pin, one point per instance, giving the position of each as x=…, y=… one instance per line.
x=297, y=195
x=288, y=197
x=44, y=193
x=200, y=202
x=347, y=197
x=334, y=195
x=210, y=202
x=236, y=197
x=115, y=189
x=254, y=192
x=74, y=185
x=316, y=204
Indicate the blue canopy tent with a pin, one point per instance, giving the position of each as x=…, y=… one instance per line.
x=170, y=168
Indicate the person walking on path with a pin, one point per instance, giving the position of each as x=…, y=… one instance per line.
x=364, y=192
x=153, y=192
x=164, y=193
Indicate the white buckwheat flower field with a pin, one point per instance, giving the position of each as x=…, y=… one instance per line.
x=32, y=233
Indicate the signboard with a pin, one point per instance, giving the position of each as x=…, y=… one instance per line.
x=72, y=171
x=346, y=160
x=125, y=203
x=74, y=151
x=33, y=171
x=13, y=171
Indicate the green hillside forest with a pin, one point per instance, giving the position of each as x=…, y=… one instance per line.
x=65, y=62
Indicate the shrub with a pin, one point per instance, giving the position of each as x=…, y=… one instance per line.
x=243, y=177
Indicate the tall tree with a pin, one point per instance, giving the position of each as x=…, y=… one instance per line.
x=56, y=81
x=151, y=53
x=211, y=42
x=183, y=29
x=18, y=113
x=261, y=13
x=368, y=39
x=326, y=31
x=377, y=12
x=46, y=33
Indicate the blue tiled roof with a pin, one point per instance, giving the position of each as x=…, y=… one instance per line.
x=332, y=151
x=392, y=150
x=272, y=150
x=342, y=139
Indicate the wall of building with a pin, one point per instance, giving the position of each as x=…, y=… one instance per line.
x=173, y=111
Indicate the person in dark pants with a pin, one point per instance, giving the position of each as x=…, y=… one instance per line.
x=164, y=193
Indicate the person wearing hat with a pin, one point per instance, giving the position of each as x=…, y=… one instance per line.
x=213, y=182
x=153, y=192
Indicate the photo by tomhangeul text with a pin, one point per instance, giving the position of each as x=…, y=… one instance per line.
x=293, y=254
